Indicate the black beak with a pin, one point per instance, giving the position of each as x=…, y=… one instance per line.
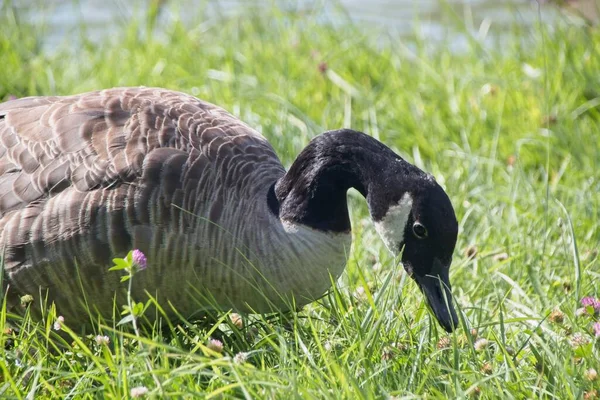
x=436, y=288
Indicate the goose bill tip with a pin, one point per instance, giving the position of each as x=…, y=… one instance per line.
x=436, y=288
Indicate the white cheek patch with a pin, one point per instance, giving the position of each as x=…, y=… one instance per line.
x=392, y=225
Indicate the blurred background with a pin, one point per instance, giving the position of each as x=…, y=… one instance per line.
x=61, y=19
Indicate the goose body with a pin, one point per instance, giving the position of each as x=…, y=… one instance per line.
x=86, y=178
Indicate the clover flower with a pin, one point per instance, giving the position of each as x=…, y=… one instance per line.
x=591, y=302
x=597, y=329
x=481, y=344
x=578, y=340
x=240, y=358
x=215, y=345
x=58, y=323
x=139, y=259
x=138, y=391
x=102, y=340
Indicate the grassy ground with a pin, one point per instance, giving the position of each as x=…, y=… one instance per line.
x=510, y=129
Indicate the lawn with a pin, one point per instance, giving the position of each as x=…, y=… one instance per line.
x=508, y=125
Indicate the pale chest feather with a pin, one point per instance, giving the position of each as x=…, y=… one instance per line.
x=248, y=260
x=305, y=261
x=269, y=264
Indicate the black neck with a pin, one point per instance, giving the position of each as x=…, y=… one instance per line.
x=313, y=191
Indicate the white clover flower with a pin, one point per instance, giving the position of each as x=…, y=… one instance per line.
x=138, y=391
x=58, y=323
x=481, y=344
x=102, y=340
x=240, y=358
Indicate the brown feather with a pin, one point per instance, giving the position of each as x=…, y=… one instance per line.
x=85, y=178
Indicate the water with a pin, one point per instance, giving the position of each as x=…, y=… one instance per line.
x=61, y=18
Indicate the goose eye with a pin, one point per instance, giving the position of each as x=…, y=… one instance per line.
x=419, y=230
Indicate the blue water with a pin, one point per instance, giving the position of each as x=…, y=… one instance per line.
x=61, y=18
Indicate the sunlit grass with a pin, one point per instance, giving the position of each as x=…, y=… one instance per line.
x=510, y=129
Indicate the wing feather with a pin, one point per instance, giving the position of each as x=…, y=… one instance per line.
x=66, y=163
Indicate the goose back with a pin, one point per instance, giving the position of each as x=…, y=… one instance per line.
x=86, y=178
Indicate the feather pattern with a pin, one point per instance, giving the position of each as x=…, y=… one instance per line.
x=85, y=178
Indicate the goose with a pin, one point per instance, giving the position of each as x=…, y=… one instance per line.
x=86, y=178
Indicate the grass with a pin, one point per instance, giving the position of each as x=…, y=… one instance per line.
x=510, y=129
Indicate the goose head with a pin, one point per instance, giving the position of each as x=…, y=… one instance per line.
x=411, y=211
x=416, y=220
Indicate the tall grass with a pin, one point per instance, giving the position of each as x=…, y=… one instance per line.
x=509, y=127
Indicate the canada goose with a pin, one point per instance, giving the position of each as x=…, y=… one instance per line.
x=85, y=178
